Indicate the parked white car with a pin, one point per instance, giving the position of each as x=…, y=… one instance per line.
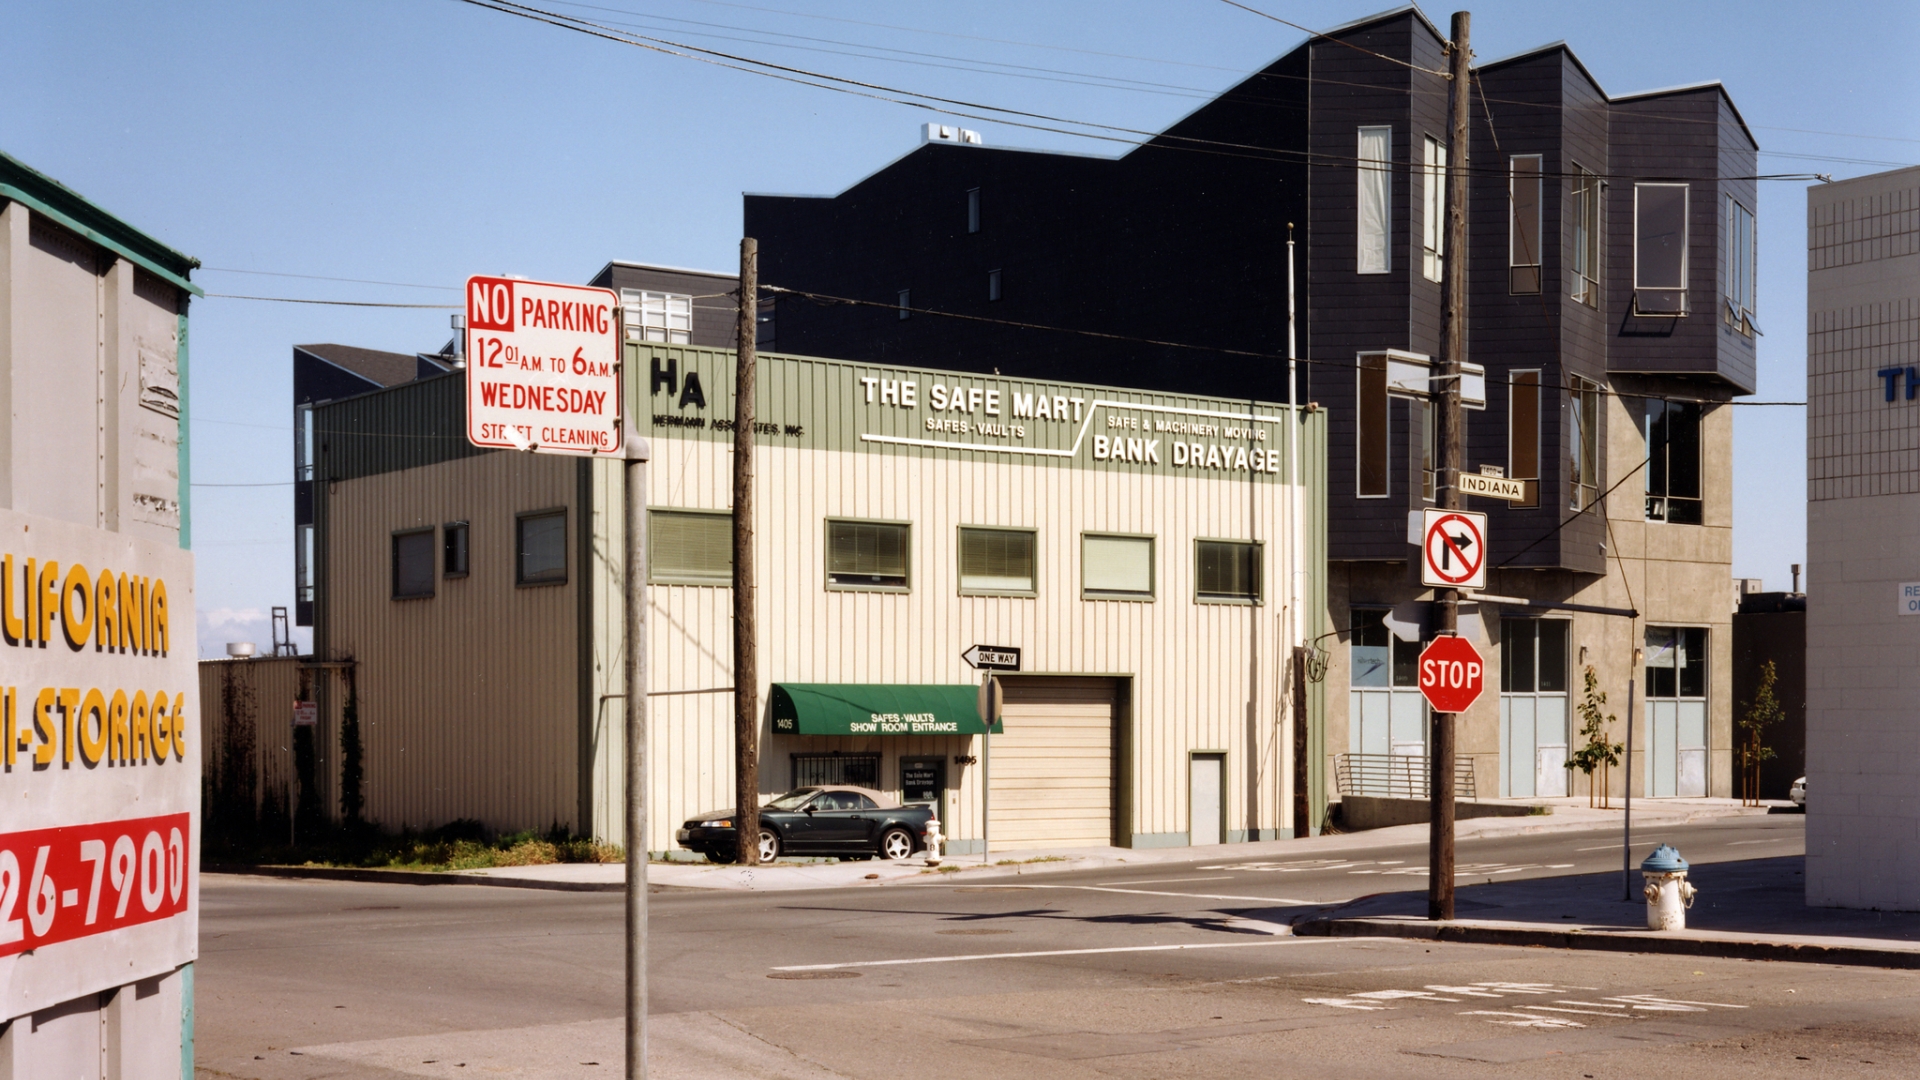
x=1798, y=793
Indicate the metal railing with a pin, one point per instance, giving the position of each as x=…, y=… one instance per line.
x=1397, y=775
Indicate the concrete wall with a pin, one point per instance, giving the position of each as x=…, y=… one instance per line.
x=1863, y=541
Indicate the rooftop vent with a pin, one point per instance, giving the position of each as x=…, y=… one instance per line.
x=949, y=133
x=240, y=649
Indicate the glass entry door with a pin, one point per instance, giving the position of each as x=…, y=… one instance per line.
x=1676, y=711
x=1385, y=712
x=1533, y=708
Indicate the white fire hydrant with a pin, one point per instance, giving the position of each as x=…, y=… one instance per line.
x=1668, y=893
x=933, y=842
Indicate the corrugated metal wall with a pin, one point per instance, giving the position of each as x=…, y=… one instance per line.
x=257, y=695
x=469, y=699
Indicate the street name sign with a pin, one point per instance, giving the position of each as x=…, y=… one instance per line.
x=543, y=367
x=1451, y=674
x=1453, y=549
x=992, y=658
x=1493, y=487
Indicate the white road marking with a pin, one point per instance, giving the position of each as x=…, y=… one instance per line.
x=1583, y=1012
x=1602, y=847
x=1047, y=952
x=1526, y=1019
x=1466, y=991
x=1152, y=892
x=1660, y=1004
x=1775, y=840
x=1168, y=880
x=1348, y=1003
x=1393, y=995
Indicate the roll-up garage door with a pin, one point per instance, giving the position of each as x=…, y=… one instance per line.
x=1053, y=767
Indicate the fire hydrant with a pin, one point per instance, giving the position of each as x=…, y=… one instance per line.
x=1667, y=891
x=933, y=839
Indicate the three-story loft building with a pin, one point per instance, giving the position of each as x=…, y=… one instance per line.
x=1611, y=281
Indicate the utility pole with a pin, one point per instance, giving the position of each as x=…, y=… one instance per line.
x=746, y=679
x=1453, y=348
x=1302, y=798
x=633, y=568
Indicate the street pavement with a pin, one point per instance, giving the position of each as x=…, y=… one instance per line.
x=1164, y=969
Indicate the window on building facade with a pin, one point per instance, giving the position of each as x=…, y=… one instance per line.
x=814, y=770
x=690, y=547
x=867, y=555
x=973, y=210
x=413, y=564
x=1372, y=430
x=1429, y=436
x=1385, y=713
x=1227, y=571
x=1116, y=567
x=1534, y=678
x=997, y=561
x=303, y=571
x=1523, y=237
x=1673, y=462
x=906, y=303
x=1375, y=204
x=1584, y=208
x=303, y=442
x=993, y=285
x=1433, y=209
x=657, y=316
x=1523, y=429
x=453, y=549
x=1583, y=443
x=1676, y=711
x=540, y=548
x=1740, y=276
x=1660, y=249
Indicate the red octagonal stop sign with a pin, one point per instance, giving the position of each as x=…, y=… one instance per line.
x=1451, y=674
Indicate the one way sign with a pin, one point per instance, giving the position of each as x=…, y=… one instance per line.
x=1453, y=549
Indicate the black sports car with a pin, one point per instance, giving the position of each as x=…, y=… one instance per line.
x=851, y=822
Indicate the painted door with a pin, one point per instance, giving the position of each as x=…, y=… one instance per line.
x=1206, y=799
x=1052, y=770
x=1676, y=712
x=1385, y=713
x=1534, y=677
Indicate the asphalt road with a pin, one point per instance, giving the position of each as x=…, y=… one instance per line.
x=1167, y=970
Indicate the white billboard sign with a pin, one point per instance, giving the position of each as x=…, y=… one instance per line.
x=99, y=761
x=543, y=367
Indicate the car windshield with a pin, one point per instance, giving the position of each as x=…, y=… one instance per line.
x=793, y=800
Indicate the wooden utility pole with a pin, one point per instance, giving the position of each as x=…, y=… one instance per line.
x=1453, y=349
x=746, y=678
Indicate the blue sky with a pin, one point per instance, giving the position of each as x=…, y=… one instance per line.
x=414, y=142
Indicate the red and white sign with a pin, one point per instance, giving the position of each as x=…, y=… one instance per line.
x=72, y=882
x=306, y=713
x=1451, y=674
x=1453, y=549
x=543, y=367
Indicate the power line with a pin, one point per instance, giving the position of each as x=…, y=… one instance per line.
x=318, y=277
x=1338, y=41
x=334, y=303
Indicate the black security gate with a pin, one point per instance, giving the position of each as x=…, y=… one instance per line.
x=860, y=770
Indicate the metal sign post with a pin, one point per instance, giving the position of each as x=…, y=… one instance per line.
x=988, y=659
x=636, y=754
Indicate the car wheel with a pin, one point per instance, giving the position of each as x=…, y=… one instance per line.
x=896, y=844
x=769, y=845
x=723, y=856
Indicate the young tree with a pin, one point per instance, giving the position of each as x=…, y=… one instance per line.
x=1595, y=725
x=1763, y=712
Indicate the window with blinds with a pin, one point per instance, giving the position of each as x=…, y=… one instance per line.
x=658, y=316
x=690, y=547
x=1226, y=570
x=1116, y=567
x=867, y=555
x=997, y=562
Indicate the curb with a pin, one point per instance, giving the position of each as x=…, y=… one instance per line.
x=417, y=877
x=1615, y=941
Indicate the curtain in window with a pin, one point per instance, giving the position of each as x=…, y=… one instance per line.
x=1376, y=200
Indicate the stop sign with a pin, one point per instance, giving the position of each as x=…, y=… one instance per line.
x=1451, y=674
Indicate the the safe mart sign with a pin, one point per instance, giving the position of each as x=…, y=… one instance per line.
x=99, y=761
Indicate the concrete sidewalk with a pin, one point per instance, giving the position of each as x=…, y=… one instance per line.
x=1753, y=909
x=1567, y=815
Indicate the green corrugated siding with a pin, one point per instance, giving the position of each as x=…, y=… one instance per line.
x=399, y=427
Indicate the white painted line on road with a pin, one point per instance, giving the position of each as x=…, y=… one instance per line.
x=1152, y=892
x=1775, y=840
x=1168, y=880
x=1526, y=1019
x=1048, y=952
x=1602, y=847
x=1583, y=1012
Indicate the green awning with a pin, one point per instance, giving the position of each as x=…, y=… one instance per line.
x=876, y=709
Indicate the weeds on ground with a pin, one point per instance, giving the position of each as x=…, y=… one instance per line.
x=457, y=845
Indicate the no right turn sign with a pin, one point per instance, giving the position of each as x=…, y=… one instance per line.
x=1453, y=549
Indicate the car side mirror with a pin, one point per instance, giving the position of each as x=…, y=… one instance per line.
x=809, y=809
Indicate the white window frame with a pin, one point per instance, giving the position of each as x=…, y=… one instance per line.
x=1433, y=252
x=1589, y=209
x=663, y=317
x=1372, y=257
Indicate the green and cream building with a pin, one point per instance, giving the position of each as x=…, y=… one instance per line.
x=1148, y=554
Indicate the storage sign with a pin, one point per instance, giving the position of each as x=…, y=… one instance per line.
x=99, y=761
x=543, y=367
